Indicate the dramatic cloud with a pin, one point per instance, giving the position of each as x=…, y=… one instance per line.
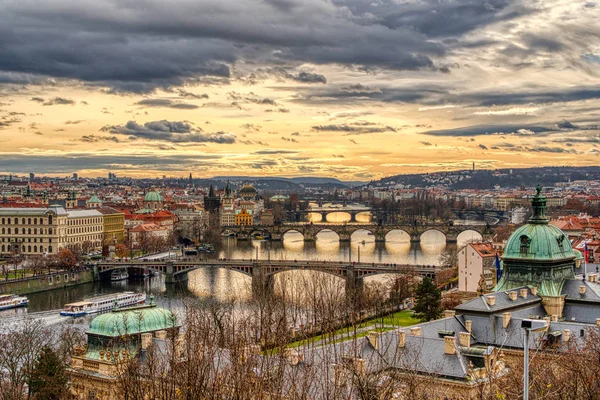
x=521, y=130
x=166, y=103
x=96, y=139
x=170, y=131
x=54, y=101
x=357, y=129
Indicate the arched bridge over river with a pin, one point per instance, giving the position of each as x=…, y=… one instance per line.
x=310, y=231
x=262, y=271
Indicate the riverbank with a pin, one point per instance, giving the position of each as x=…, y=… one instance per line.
x=46, y=282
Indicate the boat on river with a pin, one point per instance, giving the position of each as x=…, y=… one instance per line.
x=119, y=275
x=103, y=303
x=12, y=301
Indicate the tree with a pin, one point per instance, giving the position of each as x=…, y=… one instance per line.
x=428, y=303
x=48, y=380
x=121, y=251
x=449, y=258
x=66, y=258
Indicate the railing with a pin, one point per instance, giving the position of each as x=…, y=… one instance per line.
x=40, y=276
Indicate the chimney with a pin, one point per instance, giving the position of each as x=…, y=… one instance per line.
x=534, y=290
x=146, y=340
x=401, y=338
x=523, y=293
x=468, y=325
x=374, y=339
x=449, y=345
x=491, y=300
x=160, y=334
x=465, y=339
x=567, y=335
x=554, y=318
x=505, y=319
x=597, y=321
x=547, y=319
x=581, y=289
x=415, y=331
x=449, y=313
x=340, y=375
x=512, y=295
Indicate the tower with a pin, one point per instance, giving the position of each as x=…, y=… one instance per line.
x=71, y=201
x=228, y=198
x=212, y=202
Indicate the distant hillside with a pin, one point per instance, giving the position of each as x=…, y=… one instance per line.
x=488, y=179
x=296, y=183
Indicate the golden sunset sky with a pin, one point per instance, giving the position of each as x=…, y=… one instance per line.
x=346, y=88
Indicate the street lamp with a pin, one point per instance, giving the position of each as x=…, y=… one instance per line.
x=530, y=325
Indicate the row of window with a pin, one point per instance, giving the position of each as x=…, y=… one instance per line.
x=85, y=221
x=84, y=229
x=28, y=221
x=25, y=231
x=26, y=249
x=35, y=240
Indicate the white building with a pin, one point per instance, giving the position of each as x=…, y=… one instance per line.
x=476, y=260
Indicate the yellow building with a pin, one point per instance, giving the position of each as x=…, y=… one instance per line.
x=113, y=225
x=243, y=218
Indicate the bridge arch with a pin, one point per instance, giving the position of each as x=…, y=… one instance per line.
x=469, y=235
x=397, y=233
x=437, y=231
x=326, y=230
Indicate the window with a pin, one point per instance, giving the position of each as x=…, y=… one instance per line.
x=29, y=231
x=28, y=221
x=35, y=249
x=16, y=231
x=35, y=231
x=50, y=220
x=525, y=242
x=3, y=248
x=35, y=221
x=3, y=231
x=22, y=221
x=3, y=221
x=9, y=231
x=9, y=221
x=49, y=231
x=49, y=249
x=29, y=249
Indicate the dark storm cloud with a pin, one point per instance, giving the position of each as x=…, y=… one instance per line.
x=37, y=99
x=477, y=130
x=357, y=129
x=96, y=139
x=191, y=95
x=140, y=46
x=18, y=162
x=58, y=101
x=489, y=99
x=275, y=151
x=170, y=131
x=5, y=123
x=166, y=103
x=436, y=18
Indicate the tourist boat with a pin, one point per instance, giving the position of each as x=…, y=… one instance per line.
x=12, y=301
x=206, y=248
x=103, y=303
x=119, y=275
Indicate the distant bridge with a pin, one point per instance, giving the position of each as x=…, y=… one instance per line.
x=344, y=232
x=262, y=271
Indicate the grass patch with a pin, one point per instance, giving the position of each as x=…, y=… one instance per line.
x=383, y=324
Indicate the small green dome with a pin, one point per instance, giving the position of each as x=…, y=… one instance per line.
x=132, y=321
x=94, y=199
x=538, y=242
x=153, y=196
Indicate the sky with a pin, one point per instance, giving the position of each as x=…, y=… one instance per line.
x=350, y=89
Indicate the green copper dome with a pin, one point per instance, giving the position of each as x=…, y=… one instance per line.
x=132, y=321
x=538, y=242
x=537, y=254
x=94, y=199
x=153, y=196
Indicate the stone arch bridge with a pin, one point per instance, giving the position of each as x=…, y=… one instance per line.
x=262, y=271
x=310, y=231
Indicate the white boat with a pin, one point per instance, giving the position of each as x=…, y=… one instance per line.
x=12, y=301
x=119, y=275
x=103, y=303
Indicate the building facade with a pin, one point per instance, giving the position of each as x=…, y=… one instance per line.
x=476, y=267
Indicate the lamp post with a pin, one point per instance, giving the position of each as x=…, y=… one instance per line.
x=529, y=325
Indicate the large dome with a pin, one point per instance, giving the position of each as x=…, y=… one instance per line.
x=153, y=196
x=132, y=321
x=538, y=254
x=248, y=189
x=538, y=242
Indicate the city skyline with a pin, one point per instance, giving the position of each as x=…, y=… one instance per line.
x=336, y=88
